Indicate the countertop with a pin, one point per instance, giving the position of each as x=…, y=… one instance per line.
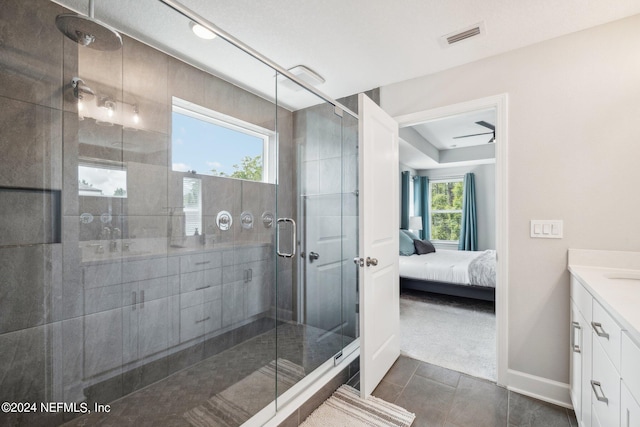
x=613, y=278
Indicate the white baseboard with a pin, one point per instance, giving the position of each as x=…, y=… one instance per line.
x=539, y=388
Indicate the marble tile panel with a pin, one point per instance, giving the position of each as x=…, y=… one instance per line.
x=31, y=69
x=31, y=144
x=147, y=148
x=29, y=277
x=145, y=78
x=24, y=364
x=29, y=217
x=186, y=82
x=70, y=197
x=72, y=284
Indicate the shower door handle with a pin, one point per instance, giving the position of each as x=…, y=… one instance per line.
x=293, y=238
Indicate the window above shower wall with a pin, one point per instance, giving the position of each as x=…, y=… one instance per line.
x=207, y=142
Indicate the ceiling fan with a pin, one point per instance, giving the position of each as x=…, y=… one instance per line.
x=485, y=124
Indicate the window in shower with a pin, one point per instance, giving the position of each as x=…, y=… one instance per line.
x=210, y=143
x=192, y=205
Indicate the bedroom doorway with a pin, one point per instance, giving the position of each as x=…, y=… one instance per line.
x=460, y=326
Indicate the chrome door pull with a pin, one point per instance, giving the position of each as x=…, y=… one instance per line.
x=313, y=256
x=293, y=238
x=372, y=262
x=597, y=327
x=575, y=327
x=601, y=397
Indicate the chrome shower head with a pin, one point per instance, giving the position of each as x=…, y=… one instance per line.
x=86, y=31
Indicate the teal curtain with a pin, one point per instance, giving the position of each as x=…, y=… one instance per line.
x=421, y=203
x=469, y=226
x=405, y=179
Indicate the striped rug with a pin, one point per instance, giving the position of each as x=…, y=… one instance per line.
x=239, y=402
x=345, y=408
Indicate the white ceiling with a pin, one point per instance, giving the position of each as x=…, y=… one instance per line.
x=442, y=133
x=357, y=45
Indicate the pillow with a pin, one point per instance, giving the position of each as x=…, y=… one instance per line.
x=423, y=247
x=407, y=246
x=411, y=234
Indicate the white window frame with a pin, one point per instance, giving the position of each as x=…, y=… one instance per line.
x=207, y=115
x=431, y=211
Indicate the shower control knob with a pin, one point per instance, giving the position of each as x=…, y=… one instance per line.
x=372, y=262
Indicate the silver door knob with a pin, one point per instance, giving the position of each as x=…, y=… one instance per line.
x=313, y=256
x=358, y=261
x=372, y=261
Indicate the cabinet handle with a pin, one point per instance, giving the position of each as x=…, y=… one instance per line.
x=576, y=327
x=203, y=320
x=250, y=274
x=202, y=287
x=141, y=299
x=601, y=397
x=203, y=262
x=597, y=327
x=133, y=301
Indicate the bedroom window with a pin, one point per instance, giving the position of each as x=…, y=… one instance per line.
x=445, y=215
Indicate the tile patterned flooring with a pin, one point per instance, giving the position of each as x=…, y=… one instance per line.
x=164, y=402
x=442, y=397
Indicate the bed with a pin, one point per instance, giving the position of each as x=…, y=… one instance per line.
x=470, y=274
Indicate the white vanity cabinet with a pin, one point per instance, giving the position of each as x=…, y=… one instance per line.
x=605, y=363
x=630, y=388
x=581, y=352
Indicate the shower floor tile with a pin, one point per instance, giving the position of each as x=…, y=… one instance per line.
x=165, y=402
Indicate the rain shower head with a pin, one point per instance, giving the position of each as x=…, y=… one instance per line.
x=86, y=31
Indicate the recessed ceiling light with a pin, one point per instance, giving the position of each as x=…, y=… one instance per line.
x=201, y=31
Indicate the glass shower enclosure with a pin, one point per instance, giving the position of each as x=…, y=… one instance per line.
x=178, y=221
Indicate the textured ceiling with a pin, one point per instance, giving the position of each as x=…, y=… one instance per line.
x=355, y=45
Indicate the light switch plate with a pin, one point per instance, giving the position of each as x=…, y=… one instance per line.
x=546, y=229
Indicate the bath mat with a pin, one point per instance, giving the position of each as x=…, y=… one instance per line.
x=239, y=402
x=345, y=408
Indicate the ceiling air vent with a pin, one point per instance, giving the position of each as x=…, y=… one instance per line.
x=461, y=35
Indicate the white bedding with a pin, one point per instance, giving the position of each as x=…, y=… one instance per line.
x=441, y=266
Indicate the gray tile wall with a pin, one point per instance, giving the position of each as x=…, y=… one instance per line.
x=68, y=329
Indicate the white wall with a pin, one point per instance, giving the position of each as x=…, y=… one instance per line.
x=485, y=198
x=574, y=147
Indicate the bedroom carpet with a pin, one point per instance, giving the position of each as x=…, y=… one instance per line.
x=455, y=333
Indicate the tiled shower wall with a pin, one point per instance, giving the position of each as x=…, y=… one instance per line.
x=45, y=305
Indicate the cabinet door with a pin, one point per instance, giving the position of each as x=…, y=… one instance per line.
x=605, y=385
x=575, y=347
x=587, y=357
x=629, y=408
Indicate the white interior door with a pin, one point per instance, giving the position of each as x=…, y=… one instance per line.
x=379, y=287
